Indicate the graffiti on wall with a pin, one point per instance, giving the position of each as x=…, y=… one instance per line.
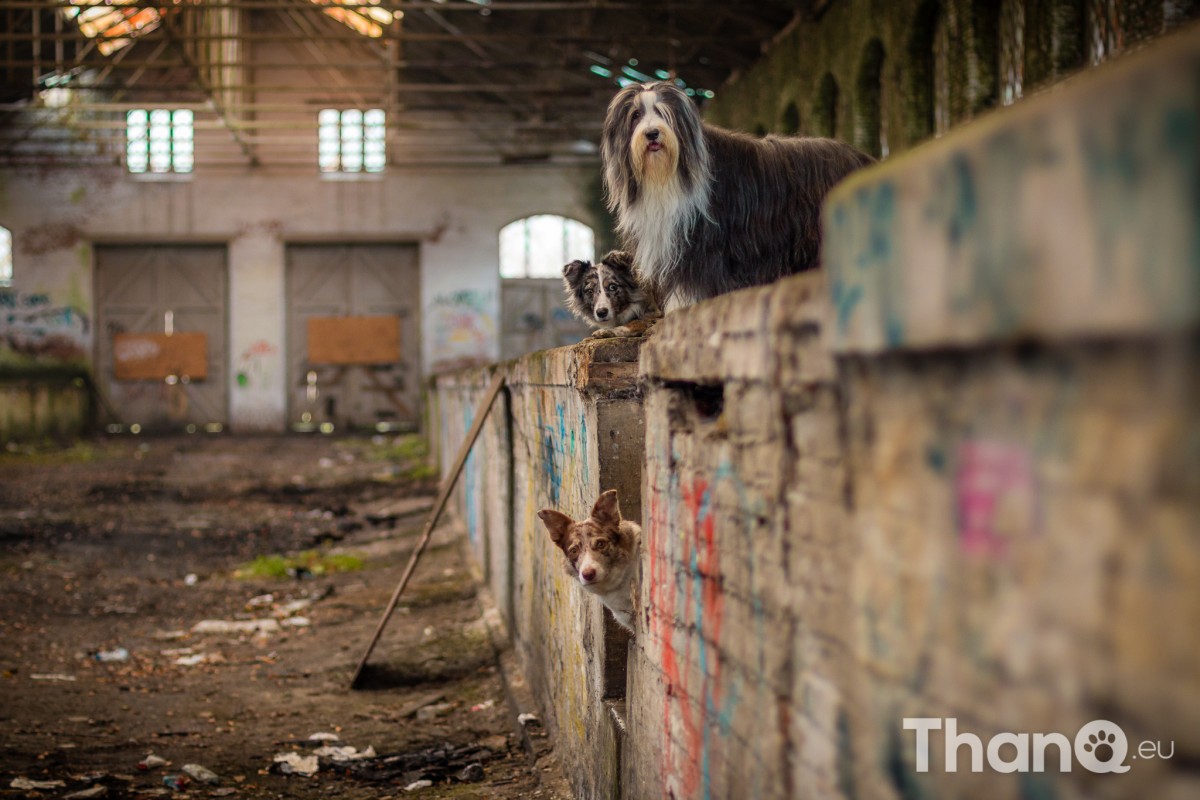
x=31, y=325
x=256, y=365
x=686, y=584
x=462, y=325
x=996, y=497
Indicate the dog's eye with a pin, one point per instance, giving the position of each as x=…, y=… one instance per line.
x=573, y=550
x=637, y=114
x=612, y=287
x=600, y=545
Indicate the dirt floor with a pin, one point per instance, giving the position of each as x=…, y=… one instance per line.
x=112, y=554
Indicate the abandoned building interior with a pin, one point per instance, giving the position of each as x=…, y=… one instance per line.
x=281, y=279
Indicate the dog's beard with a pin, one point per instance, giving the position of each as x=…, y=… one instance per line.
x=665, y=211
x=655, y=167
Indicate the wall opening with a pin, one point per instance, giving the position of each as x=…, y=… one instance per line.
x=791, y=119
x=533, y=250
x=6, y=259
x=1104, y=20
x=928, y=72
x=825, y=107
x=1011, y=52
x=870, y=135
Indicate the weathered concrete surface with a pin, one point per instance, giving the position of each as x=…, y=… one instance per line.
x=745, y=631
x=1026, y=529
x=1076, y=212
x=569, y=429
x=955, y=477
x=45, y=404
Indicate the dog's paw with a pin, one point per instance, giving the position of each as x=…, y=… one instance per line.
x=605, y=333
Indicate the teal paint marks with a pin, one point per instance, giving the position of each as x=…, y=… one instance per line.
x=471, y=478
x=860, y=254
x=1036, y=787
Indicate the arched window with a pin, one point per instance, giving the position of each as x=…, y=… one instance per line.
x=825, y=108
x=539, y=246
x=791, y=119
x=869, y=131
x=928, y=73
x=6, y=261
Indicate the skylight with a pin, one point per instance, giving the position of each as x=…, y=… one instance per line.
x=362, y=15
x=351, y=140
x=114, y=23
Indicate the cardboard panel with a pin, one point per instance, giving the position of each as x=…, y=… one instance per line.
x=354, y=340
x=154, y=356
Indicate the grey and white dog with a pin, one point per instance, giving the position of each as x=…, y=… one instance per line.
x=704, y=210
x=609, y=295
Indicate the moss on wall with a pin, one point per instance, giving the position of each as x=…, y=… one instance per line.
x=789, y=89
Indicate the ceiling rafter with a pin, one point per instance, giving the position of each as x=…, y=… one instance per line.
x=520, y=80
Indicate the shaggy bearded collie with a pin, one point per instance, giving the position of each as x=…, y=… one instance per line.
x=704, y=210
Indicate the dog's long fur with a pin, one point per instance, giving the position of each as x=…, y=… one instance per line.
x=705, y=210
x=608, y=295
x=601, y=553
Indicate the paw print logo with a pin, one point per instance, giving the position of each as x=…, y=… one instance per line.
x=1101, y=746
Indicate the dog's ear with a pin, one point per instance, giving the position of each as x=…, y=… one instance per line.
x=557, y=523
x=573, y=270
x=607, y=511
x=619, y=259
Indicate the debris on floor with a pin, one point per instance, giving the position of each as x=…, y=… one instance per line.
x=226, y=676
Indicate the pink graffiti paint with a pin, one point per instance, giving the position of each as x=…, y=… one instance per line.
x=995, y=496
x=258, y=349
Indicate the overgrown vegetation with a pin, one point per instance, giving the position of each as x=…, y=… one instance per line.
x=410, y=453
x=310, y=562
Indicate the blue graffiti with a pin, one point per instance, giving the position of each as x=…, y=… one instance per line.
x=471, y=480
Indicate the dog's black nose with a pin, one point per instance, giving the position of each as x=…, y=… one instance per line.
x=601, y=313
x=652, y=134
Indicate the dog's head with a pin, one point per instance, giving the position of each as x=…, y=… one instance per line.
x=606, y=294
x=597, y=551
x=652, y=132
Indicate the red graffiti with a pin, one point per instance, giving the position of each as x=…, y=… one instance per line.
x=690, y=710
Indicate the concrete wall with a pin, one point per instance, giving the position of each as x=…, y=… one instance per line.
x=52, y=404
x=56, y=215
x=842, y=42
x=569, y=425
x=954, y=478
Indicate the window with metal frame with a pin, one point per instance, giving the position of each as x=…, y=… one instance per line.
x=351, y=140
x=159, y=140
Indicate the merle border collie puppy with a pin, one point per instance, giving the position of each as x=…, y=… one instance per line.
x=704, y=210
x=601, y=552
x=609, y=295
